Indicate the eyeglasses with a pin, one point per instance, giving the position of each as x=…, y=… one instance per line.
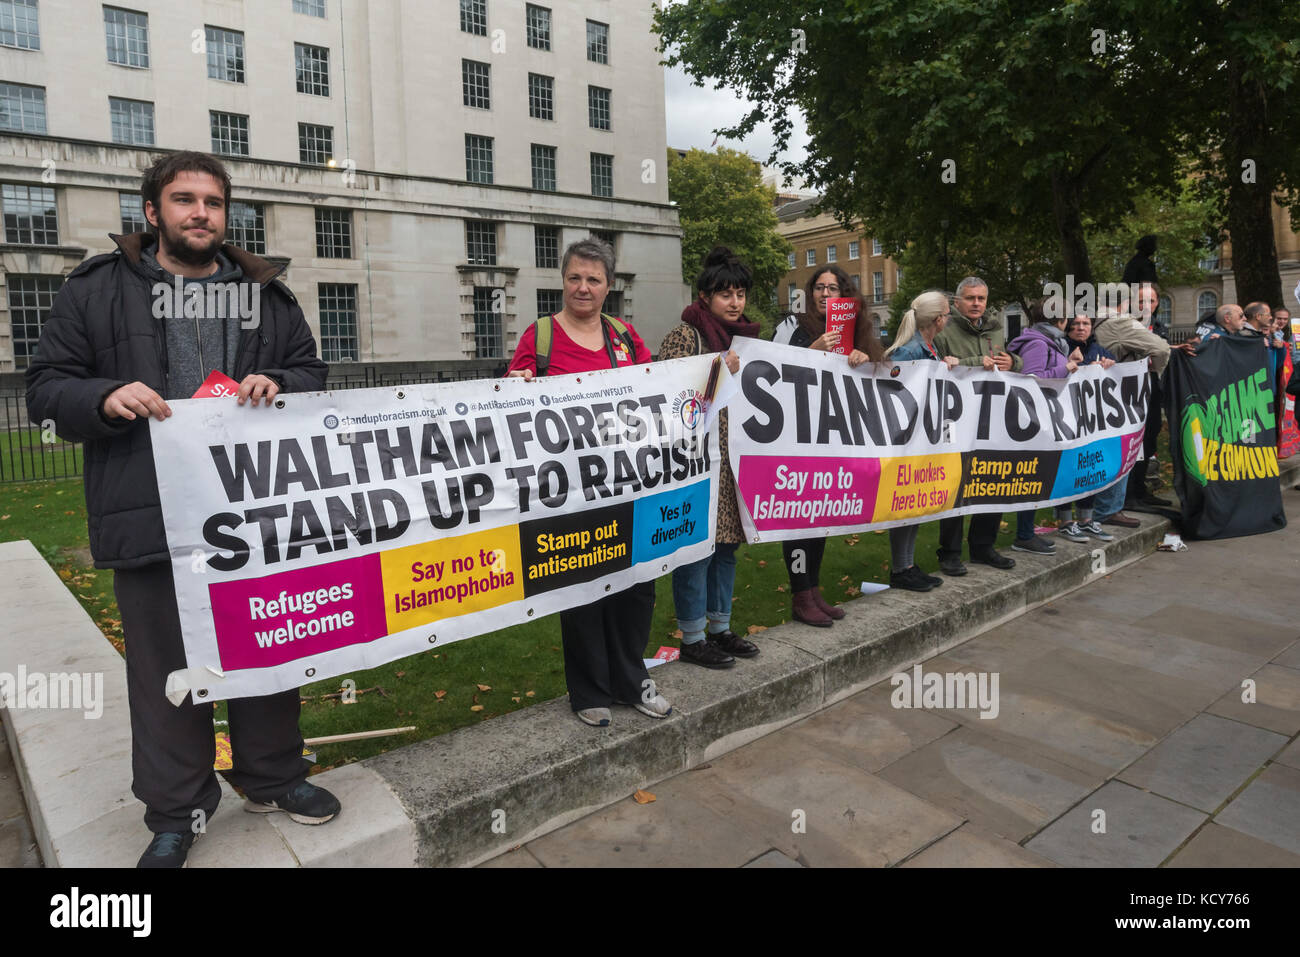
x=826, y=289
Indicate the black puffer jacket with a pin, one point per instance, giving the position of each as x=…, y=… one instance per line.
x=100, y=336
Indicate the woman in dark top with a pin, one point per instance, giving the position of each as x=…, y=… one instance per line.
x=803, y=557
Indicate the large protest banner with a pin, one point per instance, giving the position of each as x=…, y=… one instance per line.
x=338, y=531
x=820, y=448
x=1222, y=439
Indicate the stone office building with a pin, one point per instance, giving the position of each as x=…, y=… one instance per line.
x=406, y=158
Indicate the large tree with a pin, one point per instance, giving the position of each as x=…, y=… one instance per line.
x=1004, y=117
x=721, y=200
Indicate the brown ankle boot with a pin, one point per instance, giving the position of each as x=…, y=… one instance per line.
x=829, y=610
x=807, y=610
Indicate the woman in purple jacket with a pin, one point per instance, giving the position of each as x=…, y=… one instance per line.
x=1045, y=353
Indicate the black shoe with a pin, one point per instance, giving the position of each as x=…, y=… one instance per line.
x=991, y=557
x=167, y=849
x=952, y=566
x=910, y=579
x=733, y=644
x=706, y=653
x=1037, y=545
x=306, y=804
x=934, y=580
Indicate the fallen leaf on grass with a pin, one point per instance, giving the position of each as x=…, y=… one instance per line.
x=516, y=700
x=643, y=797
x=476, y=707
x=780, y=588
x=851, y=540
x=401, y=674
x=529, y=694
x=755, y=629
x=440, y=695
x=677, y=634
x=4, y=518
x=484, y=687
x=850, y=591
x=761, y=564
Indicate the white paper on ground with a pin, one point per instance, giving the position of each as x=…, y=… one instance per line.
x=1173, y=543
x=870, y=588
x=653, y=663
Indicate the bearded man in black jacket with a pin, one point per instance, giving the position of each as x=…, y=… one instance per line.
x=107, y=361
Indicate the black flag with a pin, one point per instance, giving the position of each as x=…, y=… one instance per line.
x=1223, y=439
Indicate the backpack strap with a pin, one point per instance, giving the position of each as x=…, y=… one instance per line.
x=621, y=330
x=545, y=336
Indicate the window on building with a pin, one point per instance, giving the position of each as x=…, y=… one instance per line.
x=832, y=254
x=790, y=292
x=898, y=277
x=127, y=35
x=132, y=209
x=225, y=54
x=597, y=42
x=546, y=247
x=876, y=248
x=613, y=303
x=22, y=108
x=1205, y=302
x=878, y=287
x=246, y=226
x=537, y=23
x=315, y=144
x=598, y=107
x=488, y=342
x=338, y=321
x=473, y=17
x=608, y=237
x=476, y=84
x=790, y=259
x=549, y=301
x=312, y=67
x=30, y=299
x=854, y=247
x=312, y=8
x=131, y=121
x=602, y=174
x=478, y=158
x=480, y=242
x=1210, y=261
x=19, y=26
x=810, y=258
x=333, y=233
x=229, y=133
x=30, y=214
x=1165, y=311
x=543, y=158
x=541, y=96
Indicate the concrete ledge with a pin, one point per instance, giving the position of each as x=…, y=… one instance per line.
x=466, y=797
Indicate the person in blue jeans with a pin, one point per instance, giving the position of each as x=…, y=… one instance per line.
x=702, y=589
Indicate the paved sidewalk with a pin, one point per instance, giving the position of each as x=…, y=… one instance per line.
x=1122, y=739
x=17, y=843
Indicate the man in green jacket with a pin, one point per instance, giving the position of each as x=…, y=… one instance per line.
x=976, y=340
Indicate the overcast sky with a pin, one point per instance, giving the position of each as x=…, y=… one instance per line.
x=695, y=112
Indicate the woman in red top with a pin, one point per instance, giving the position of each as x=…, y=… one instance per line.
x=604, y=642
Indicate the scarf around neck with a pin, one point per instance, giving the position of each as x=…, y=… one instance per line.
x=717, y=333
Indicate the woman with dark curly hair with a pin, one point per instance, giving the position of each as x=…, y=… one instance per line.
x=803, y=558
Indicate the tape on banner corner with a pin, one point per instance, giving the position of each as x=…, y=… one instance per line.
x=180, y=683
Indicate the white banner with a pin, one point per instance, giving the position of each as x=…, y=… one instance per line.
x=819, y=448
x=339, y=531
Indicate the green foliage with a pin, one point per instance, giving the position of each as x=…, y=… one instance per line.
x=721, y=200
x=1183, y=223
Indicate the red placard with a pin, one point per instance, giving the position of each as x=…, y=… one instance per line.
x=217, y=386
x=842, y=317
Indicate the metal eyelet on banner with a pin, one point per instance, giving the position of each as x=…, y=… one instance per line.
x=401, y=394
x=279, y=403
x=497, y=387
x=202, y=693
x=433, y=639
x=530, y=613
x=311, y=672
x=606, y=588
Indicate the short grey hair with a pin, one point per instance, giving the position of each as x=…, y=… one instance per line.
x=970, y=282
x=592, y=249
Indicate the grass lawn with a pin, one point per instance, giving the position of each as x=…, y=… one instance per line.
x=472, y=680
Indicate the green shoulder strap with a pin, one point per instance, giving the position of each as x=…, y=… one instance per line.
x=545, y=335
x=621, y=329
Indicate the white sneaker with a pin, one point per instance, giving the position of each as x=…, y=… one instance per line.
x=1094, y=529
x=596, y=717
x=656, y=707
x=1072, y=531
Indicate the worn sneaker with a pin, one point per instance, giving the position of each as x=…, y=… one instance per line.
x=656, y=707
x=167, y=849
x=934, y=580
x=1036, y=545
x=706, y=653
x=1094, y=529
x=994, y=558
x=306, y=804
x=596, y=717
x=952, y=566
x=910, y=579
x=1073, y=532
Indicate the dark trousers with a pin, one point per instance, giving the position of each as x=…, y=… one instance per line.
x=172, y=748
x=1137, y=484
x=983, y=534
x=813, y=550
x=604, y=648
